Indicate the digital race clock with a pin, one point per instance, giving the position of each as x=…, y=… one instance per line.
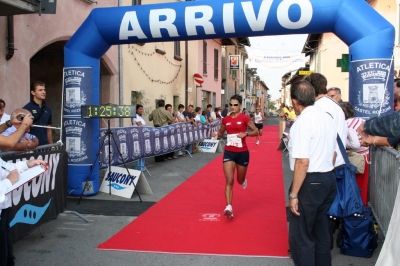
x=108, y=111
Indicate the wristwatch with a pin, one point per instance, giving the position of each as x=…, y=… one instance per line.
x=291, y=196
x=8, y=124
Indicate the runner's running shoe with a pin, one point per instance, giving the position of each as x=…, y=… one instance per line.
x=228, y=212
x=257, y=142
x=244, y=184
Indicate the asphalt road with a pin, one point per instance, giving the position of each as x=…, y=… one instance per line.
x=69, y=240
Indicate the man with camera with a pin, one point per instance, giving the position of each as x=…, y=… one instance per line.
x=9, y=175
x=10, y=141
x=28, y=141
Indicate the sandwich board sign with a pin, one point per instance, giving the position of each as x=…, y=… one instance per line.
x=208, y=145
x=124, y=185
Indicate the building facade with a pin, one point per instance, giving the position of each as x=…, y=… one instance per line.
x=38, y=54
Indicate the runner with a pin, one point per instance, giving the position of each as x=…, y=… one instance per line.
x=236, y=153
x=258, y=120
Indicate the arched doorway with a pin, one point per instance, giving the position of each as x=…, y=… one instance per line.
x=47, y=66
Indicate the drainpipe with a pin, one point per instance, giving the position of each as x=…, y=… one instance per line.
x=187, y=75
x=120, y=76
x=10, y=29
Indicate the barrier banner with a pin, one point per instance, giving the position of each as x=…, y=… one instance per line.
x=41, y=199
x=372, y=89
x=140, y=142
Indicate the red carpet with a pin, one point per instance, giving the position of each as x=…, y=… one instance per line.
x=190, y=219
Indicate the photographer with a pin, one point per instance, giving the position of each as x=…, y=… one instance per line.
x=10, y=141
x=28, y=141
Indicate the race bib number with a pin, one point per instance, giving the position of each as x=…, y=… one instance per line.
x=233, y=140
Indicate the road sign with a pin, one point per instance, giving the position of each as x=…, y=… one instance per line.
x=198, y=78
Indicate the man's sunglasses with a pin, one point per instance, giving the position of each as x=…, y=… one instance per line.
x=233, y=104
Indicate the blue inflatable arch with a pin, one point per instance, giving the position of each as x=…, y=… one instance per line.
x=369, y=36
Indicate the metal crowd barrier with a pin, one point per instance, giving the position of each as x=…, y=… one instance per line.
x=384, y=179
x=58, y=146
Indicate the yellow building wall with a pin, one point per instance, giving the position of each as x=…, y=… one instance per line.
x=157, y=76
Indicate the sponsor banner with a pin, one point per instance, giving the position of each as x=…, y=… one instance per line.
x=139, y=142
x=122, y=183
x=279, y=59
x=208, y=145
x=41, y=199
x=77, y=140
x=371, y=84
x=77, y=89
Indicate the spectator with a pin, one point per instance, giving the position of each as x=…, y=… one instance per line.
x=197, y=113
x=244, y=111
x=168, y=107
x=291, y=114
x=396, y=94
x=220, y=113
x=209, y=111
x=203, y=117
x=13, y=139
x=189, y=118
x=214, y=113
x=28, y=141
x=225, y=111
x=313, y=189
x=385, y=126
x=179, y=114
x=171, y=155
x=138, y=120
x=330, y=106
x=160, y=117
x=397, y=104
x=217, y=113
x=284, y=111
x=335, y=93
x=3, y=116
x=9, y=175
x=381, y=131
x=41, y=113
x=180, y=118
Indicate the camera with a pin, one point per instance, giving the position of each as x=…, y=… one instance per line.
x=20, y=118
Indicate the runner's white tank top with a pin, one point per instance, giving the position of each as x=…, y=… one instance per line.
x=258, y=117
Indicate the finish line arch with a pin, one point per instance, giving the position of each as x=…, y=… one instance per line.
x=369, y=36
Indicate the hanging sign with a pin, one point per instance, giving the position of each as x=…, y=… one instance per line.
x=234, y=62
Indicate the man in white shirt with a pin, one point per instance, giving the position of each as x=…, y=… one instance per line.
x=328, y=105
x=313, y=189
